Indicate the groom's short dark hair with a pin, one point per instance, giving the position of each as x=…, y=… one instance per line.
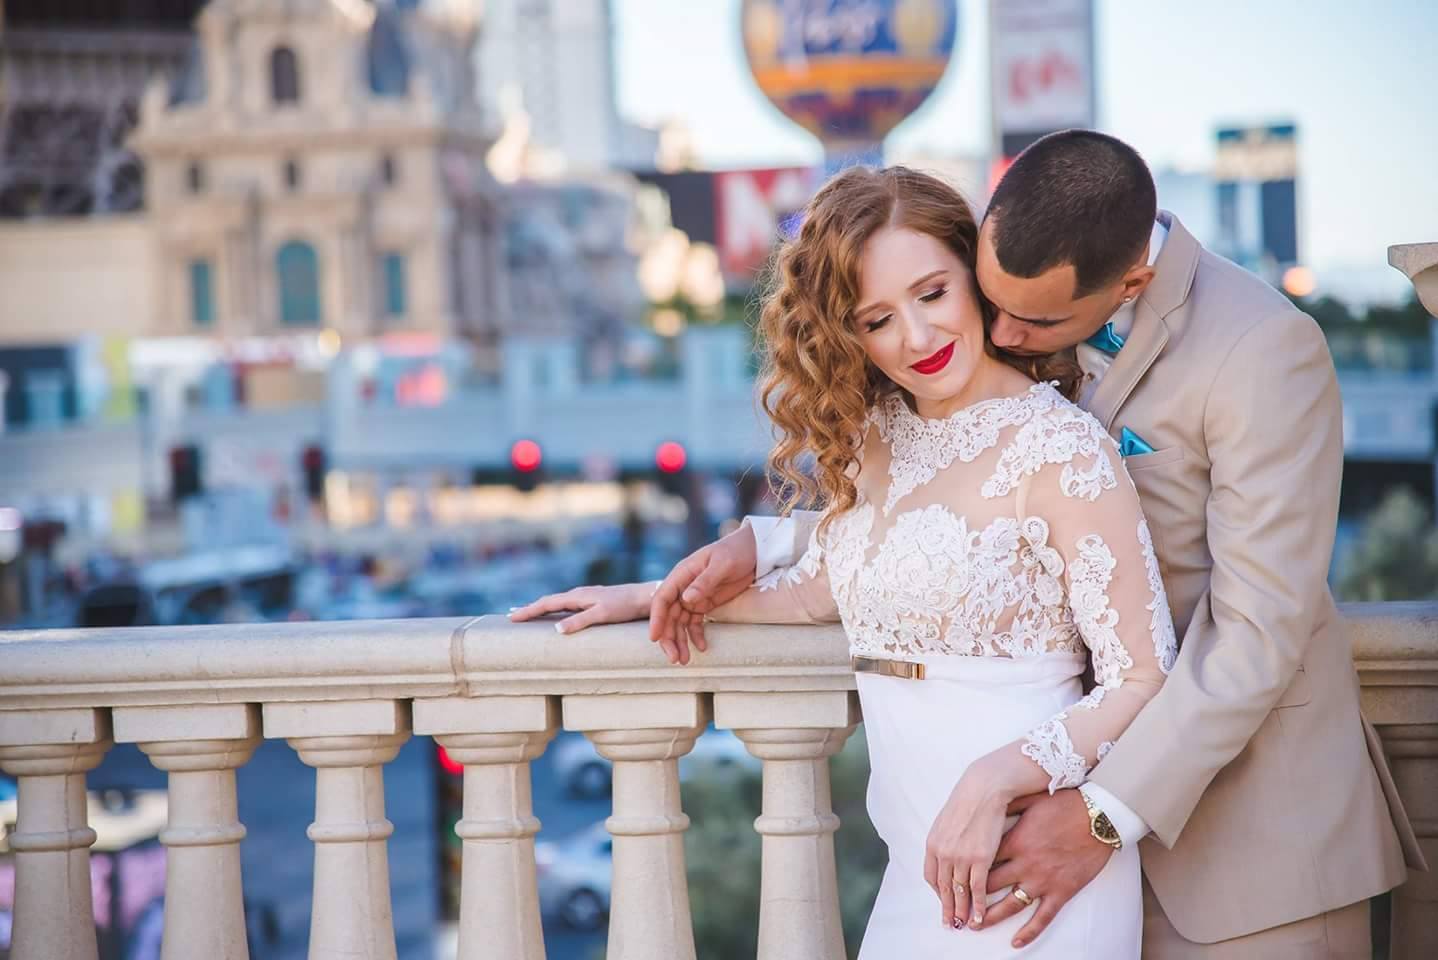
x=1079, y=197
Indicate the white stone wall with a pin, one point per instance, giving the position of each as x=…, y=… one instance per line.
x=65, y=279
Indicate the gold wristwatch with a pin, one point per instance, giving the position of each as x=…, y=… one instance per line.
x=1100, y=825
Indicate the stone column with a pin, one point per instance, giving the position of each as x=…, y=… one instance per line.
x=348, y=743
x=795, y=734
x=49, y=752
x=200, y=746
x=495, y=738
x=644, y=735
x=1413, y=755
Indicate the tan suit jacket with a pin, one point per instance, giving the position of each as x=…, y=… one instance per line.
x=1267, y=792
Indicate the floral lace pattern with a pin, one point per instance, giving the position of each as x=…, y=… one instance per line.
x=1160, y=624
x=1049, y=746
x=1031, y=545
x=937, y=586
x=1061, y=435
x=920, y=447
x=1089, y=577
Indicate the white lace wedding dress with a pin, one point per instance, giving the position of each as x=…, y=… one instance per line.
x=1003, y=547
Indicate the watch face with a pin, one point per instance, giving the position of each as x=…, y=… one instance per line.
x=1105, y=829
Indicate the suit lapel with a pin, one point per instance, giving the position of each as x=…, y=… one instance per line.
x=1145, y=342
x=1173, y=278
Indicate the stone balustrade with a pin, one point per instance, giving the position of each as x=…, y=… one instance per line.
x=345, y=696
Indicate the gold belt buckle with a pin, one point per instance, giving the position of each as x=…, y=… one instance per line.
x=903, y=669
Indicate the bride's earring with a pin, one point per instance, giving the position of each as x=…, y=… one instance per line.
x=1128, y=299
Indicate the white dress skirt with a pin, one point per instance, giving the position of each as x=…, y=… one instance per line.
x=922, y=734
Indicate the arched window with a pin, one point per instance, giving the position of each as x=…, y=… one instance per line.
x=284, y=76
x=297, y=269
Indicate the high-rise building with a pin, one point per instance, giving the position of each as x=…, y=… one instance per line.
x=1256, y=171
x=554, y=60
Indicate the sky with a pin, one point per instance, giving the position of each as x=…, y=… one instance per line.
x=1357, y=76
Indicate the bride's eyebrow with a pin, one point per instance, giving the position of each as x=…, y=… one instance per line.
x=926, y=278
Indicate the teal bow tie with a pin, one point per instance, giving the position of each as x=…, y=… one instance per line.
x=1106, y=340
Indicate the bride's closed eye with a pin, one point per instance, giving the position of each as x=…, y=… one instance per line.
x=933, y=296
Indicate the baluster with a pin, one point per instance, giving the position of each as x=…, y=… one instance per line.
x=200, y=747
x=644, y=735
x=348, y=743
x=495, y=738
x=795, y=734
x=49, y=752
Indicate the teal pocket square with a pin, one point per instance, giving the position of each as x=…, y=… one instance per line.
x=1131, y=444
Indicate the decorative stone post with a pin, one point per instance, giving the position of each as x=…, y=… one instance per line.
x=49, y=752
x=495, y=738
x=795, y=734
x=644, y=735
x=348, y=743
x=200, y=746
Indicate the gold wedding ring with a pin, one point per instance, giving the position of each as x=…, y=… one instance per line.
x=1022, y=897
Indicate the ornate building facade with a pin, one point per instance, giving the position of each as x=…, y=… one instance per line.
x=320, y=165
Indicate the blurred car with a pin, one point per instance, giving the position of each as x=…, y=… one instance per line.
x=588, y=775
x=574, y=877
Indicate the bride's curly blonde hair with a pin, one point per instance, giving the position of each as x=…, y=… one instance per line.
x=817, y=383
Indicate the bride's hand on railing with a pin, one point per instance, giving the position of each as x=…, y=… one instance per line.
x=613, y=604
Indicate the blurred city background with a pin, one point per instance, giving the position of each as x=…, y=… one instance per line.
x=338, y=309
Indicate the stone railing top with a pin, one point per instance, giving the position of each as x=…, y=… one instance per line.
x=374, y=659
x=1394, y=644
x=1419, y=263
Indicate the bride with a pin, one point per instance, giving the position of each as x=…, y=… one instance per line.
x=982, y=545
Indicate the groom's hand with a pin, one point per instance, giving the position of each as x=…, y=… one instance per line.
x=1050, y=853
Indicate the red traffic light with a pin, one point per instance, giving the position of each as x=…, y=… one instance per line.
x=526, y=456
x=448, y=764
x=313, y=458
x=670, y=457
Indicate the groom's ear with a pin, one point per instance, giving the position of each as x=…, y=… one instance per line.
x=1136, y=281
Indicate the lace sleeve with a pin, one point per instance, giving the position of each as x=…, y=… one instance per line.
x=797, y=594
x=1116, y=602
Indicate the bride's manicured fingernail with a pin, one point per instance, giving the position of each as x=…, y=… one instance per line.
x=559, y=628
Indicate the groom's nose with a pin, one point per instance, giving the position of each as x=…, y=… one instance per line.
x=1007, y=332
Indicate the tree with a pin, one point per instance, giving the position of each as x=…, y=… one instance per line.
x=1396, y=557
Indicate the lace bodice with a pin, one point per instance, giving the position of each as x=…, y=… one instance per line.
x=1009, y=529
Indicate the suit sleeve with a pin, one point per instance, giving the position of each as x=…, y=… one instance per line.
x=1274, y=432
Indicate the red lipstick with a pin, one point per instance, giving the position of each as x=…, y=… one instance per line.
x=933, y=364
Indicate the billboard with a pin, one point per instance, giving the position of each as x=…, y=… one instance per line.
x=751, y=210
x=1041, y=57
x=742, y=213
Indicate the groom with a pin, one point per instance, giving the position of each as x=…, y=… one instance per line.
x=1264, y=810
